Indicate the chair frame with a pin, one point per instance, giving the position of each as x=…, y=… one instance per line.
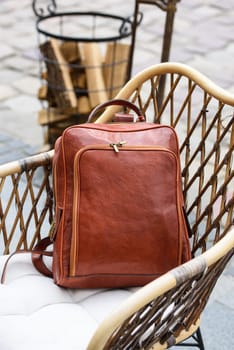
x=166, y=311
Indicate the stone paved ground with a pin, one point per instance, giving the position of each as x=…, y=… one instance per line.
x=203, y=38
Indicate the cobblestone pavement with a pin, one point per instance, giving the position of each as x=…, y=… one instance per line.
x=203, y=38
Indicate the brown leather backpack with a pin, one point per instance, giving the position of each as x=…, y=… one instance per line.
x=119, y=205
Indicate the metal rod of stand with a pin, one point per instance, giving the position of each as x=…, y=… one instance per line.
x=169, y=7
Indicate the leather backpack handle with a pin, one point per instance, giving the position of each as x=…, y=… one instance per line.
x=116, y=102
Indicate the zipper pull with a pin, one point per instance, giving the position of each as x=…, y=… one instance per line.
x=116, y=145
x=121, y=143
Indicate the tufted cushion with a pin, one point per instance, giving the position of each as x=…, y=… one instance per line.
x=37, y=314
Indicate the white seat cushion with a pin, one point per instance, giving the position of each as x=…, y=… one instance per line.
x=37, y=314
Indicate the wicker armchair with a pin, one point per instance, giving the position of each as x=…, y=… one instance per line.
x=168, y=310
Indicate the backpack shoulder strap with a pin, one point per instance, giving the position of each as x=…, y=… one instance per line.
x=37, y=256
x=37, y=253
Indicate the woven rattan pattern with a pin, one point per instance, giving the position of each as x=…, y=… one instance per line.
x=26, y=203
x=162, y=320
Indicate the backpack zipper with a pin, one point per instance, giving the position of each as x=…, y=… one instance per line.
x=116, y=145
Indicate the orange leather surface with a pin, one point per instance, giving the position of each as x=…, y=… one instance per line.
x=121, y=222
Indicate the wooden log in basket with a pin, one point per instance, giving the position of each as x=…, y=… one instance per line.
x=78, y=77
x=115, y=67
x=50, y=116
x=70, y=51
x=92, y=61
x=59, y=78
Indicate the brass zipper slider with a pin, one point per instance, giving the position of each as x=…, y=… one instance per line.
x=116, y=145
